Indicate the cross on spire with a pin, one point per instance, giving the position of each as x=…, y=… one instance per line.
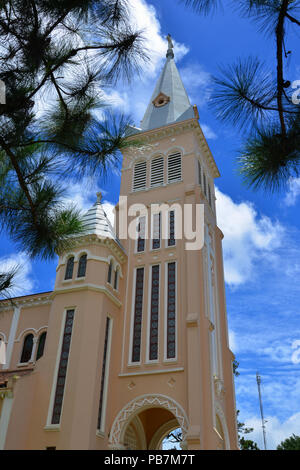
x=170, y=52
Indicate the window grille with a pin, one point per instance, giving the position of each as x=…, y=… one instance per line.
x=138, y=311
x=62, y=369
x=154, y=312
x=82, y=266
x=69, y=268
x=171, y=311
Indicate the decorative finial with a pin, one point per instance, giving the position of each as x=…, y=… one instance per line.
x=170, y=52
x=99, y=197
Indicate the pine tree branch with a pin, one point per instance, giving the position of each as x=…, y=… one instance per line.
x=20, y=177
x=292, y=19
x=280, y=79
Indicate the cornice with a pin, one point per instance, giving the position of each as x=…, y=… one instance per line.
x=153, y=135
x=91, y=287
x=25, y=302
x=94, y=239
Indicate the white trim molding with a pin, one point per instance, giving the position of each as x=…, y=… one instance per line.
x=134, y=407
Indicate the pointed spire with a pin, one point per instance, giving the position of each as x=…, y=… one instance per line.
x=169, y=102
x=96, y=222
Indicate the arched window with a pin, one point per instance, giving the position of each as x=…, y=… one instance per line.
x=82, y=266
x=116, y=281
x=140, y=176
x=110, y=267
x=41, y=345
x=157, y=172
x=27, y=348
x=174, y=167
x=69, y=268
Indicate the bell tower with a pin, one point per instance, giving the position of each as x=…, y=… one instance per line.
x=176, y=365
x=132, y=343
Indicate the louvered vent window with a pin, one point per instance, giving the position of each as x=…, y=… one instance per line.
x=157, y=172
x=174, y=167
x=140, y=176
x=199, y=173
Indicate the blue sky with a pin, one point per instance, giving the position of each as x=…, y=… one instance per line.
x=262, y=231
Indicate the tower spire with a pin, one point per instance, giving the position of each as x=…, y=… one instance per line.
x=169, y=102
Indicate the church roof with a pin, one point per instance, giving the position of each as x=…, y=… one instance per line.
x=95, y=222
x=169, y=102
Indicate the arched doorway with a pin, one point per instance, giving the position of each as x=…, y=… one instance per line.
x=144, y=422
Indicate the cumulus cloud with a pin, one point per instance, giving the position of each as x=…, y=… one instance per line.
x=23, y=281
x=293, y=192
x=208, y=132
x=277, y=431
x=248, y=237
x=232, y=341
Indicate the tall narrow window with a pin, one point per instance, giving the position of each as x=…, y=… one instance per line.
x=104, y=374
x=140, y=176
x=171, y=240
x=69, y=268
x=156, y=229
x=141, y=234
x=174, y=167
x=199, y=173
x=41, y=346
x=110, y=267
x=116, y=280
x=82, y=266
x=154, y=312
x=171, y=311
x=62, y=368
x=138, y=312
x=157, y=172
x=204, y=184
x=27, y=348
x=209, y=195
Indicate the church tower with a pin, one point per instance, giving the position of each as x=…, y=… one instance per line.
x=176, y=365
x=133, y=341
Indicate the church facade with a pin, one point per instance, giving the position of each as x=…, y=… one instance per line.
x=132, y=343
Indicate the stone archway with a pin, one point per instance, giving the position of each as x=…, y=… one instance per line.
x=138, y=405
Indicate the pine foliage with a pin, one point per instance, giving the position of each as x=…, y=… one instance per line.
x=56, y=57
x=259, y=101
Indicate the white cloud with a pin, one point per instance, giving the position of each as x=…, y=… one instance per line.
x=208, y=132
x=293, y=192
x=197, y=83
x=82, y=195
x=276, y=430
x=23, y=282
x=247, y=237
x=109, y=210
x=144, y=17
x=232, y=341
